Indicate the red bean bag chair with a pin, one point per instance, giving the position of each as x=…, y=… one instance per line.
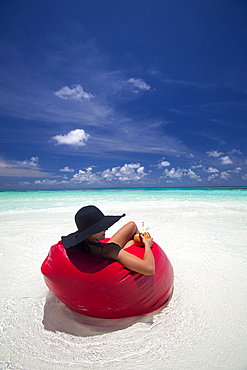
x=102, y=288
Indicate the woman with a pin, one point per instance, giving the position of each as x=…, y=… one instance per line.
x=92, y=225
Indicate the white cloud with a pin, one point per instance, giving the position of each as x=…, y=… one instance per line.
x=128, y=172
x=212, y=170
x=236, y=170
x=213, y=176
x=76, y=137
x=214, y=153
x=46, y=182
x=28, y=163
x=26, y=168
x=76, y=93
x=67, y=169
x=139, y=83
x=174, y=174
x=225, y=175
x=164, y=164
x=226, y=160
x=192, y=175
x=244, y=177
x=86, y=175
x=197, y=166
x=177, y=174
x=32, y=162
x=235, y=151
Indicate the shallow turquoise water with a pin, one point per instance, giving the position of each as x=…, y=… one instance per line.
x=45, y=199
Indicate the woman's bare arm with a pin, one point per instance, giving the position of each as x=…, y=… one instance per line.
x=145, y=266
x=125, y=234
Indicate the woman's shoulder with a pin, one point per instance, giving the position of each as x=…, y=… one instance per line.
x=110, y=250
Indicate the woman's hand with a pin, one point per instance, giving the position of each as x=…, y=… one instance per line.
x=147, y=241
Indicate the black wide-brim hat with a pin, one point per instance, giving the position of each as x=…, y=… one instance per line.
x=89, y=221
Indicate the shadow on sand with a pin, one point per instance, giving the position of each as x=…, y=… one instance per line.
x=58, y=317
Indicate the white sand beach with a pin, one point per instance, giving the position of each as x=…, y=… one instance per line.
x=205, y=324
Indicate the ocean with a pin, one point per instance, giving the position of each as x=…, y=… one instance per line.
x=203, y=233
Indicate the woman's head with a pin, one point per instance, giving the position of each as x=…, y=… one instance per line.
x=89, y=221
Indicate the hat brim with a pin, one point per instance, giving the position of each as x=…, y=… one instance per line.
x=78, y=236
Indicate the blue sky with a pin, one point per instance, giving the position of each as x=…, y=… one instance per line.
x=123, y=93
